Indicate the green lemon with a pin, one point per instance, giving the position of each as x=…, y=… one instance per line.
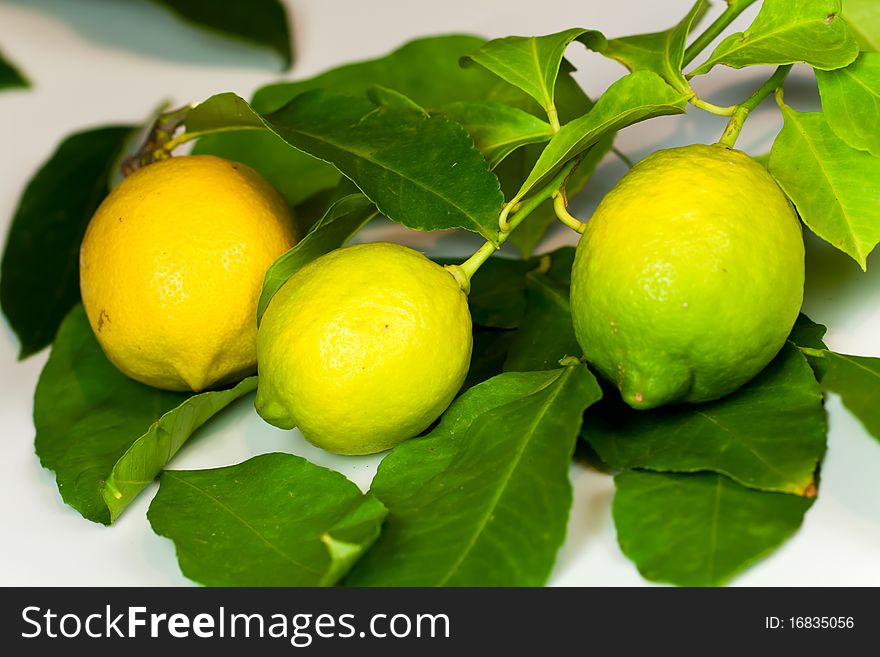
x=363, y=348
x=689, y=276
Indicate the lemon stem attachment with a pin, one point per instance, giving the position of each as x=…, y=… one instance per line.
x=560, y=206
x=523, y=209
x=734, y=9
x=735, y=125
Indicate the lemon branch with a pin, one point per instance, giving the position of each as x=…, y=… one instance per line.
x=734, y=9
x=466, y=270
x=160, y=140
x=737, y=120
x=711, y=108
x=560, y=207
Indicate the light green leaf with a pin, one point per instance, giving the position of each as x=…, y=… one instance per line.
x=546, y=334
x=699, y=529
x=531, y=63
x=633, y=98
x=863, y=18
x=338, y=225
x=105, y=436
x=857, y=380
x=482, y=500
x=660, y=52
x=787, y=32
x=274, y=520
x=833, y=186
x=498, y=129
x=851, y=102
x=769, y=434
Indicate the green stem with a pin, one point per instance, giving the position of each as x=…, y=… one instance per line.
x=562, y=213
x=712, y=109
x=735, y=126
x=734, y=9
x=469, y=267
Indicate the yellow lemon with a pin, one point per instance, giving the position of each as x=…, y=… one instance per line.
x=689, y=276
x=171, y=267
x=363, y=348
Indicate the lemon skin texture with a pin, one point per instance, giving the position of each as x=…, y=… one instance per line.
x=171, y=267
x=689, y=276
x=363, y=348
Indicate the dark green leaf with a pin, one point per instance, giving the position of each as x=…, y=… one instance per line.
x=39, y=282
x=274, y=520
x=546, y=334
x=699, y=529
x=530, y=63
x=498, y=293
x=807, y=333
x=422, y=171
x=489, y=353
x=260, y=22
x=483, y=500
x=10, y=76
x=787, y=32
x=633, y=98
x=851, y=102
x=342, y=220
x=857, y=380
x=833, y=186
x=105, y=436
x=660, y=52
x=769, y=434
x=498, y=129
x=863, y=18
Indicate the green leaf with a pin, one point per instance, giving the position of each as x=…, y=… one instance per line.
x=851, y=102
x=39, y=275
x=833, y=186
x=498, y=129
x=498, y=293
x=546, y=334
x=530, y=63
x=488, y=356
x=660, y=52
x=807, y=333
x=769, y=434
x=482, y=500
x=224, y=112
x=10, y=76
x=259, y=22
x=863, y=18
x=635, y=97
x=105, y=436
x=422, y=171
x=699, y=529
x=857, y=380
x=338, y=225
x=529, y=233
x=787, y=32
x=273, y=520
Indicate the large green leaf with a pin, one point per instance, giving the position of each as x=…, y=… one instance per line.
x=833, y=186
x=787, y=32
x=635, y=97
x=105, y=436
x=857, y=380
x=863, y=18
x=660, y=52
x=546, y=334
x=699, y=529
x=39, y=281
x=851, y=102
x=482, y=500
x=498, y=129
x=422, y=171
x=10, y=76
x=531, y=63
x=769, y=434
x=260, y=22
x=274, y=520
x=342, y=220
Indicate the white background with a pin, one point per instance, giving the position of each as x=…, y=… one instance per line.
x=94, y=62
